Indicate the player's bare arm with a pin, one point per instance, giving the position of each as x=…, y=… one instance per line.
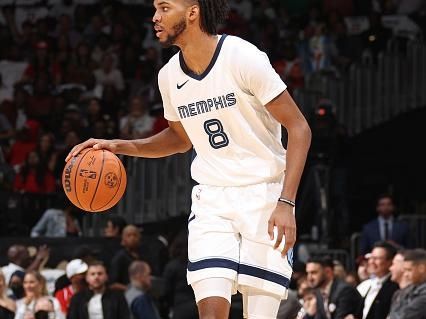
x=285, y=111
x=170, y=141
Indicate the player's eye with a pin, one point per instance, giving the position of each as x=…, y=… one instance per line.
x=165, y=9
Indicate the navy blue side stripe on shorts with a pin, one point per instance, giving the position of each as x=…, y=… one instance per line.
x=264, y=274
x=241, y=269
x=213, y=263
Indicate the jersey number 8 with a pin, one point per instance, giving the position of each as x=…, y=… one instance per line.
x=217, y=136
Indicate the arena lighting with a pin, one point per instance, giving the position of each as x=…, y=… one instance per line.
x=321, y=111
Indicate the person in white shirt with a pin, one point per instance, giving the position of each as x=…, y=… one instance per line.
x=222, y=98
x=378, y=290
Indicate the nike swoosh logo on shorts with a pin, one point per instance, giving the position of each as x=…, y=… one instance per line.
x=180, y=86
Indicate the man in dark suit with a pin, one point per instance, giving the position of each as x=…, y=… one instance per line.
x=384, y=227
x=335, y=298
x=378, y=291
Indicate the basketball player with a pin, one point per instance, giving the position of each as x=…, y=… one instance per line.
x=222, y=98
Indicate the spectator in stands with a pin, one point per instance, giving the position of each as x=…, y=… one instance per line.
x=58, y=221
x=41, y=103
x=19, y=259
x=42, y=65
x=7, y=305
x=335, y=299
x=130, y=251
x=98, y=301
x=400, y=277
x=44, y=308
x=414, y=300
x=76, y=273
x=34, y=177
x=16, y=285
x=378, y=291
x=26, y=142
x=397, y=270
x=46, y=151
x=114, y=226
x=352, y=279
x=362, y=268
x=137, y=123
x=143, y=306
x=179, y=296
x=35, y=288
x=109, y=74
x=385, y=227
x=140, y=280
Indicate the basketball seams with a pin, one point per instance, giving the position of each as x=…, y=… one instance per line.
x=118, y=188
x=75, y=179
x=99, y=180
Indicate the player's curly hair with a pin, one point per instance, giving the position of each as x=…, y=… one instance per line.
x=212, y=13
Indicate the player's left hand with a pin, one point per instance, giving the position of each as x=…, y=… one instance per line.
x=285, y=221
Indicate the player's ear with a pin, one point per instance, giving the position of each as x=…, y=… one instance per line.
x=193, y=12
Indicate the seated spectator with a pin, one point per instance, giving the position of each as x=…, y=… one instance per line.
x=26, y=142
x=108, y=74
x=378, y=291
x=114, y=226
x=16, y=285
x=34, y=289
x=414, y=300
x=58, y=221
x=179, y=296
x=21, y=261
x=46, y=151
x=397, y=271
x=335, y=298
x=44, y=308
x=98, y=301
x=41, y=103
x=130, y=251
x=7, y=305
x=140, y=280
x=384, y=227
x=34, y=177
x=137, y=123
x=76, y=272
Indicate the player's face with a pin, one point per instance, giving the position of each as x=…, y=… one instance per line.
x=316, y=275
x=169, y=20
x=96, y=277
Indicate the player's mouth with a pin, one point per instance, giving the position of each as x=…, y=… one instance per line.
x=158, y=30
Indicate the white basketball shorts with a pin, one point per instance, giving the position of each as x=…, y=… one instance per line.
x=228, y=238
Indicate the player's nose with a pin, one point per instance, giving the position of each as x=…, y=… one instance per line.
x=156, y=17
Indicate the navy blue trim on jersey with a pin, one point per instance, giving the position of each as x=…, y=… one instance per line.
x=201, y=76
x=241, y=269
x=191, y=218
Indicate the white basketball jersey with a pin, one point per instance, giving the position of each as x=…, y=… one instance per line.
x=236, y=140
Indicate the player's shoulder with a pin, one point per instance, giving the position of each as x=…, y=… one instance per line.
x=240, y=46
x=172, y=64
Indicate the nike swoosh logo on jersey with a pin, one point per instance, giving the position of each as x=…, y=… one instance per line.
x=180, y=86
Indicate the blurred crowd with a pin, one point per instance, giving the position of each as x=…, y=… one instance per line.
x=148, y=280
x=70, y=71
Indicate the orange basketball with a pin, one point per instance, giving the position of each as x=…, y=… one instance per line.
x=94, y=180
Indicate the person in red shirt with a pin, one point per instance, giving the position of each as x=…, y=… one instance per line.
x=34, y=177
x=76, y=272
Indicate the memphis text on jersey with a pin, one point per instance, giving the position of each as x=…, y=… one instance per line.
x=205, y=106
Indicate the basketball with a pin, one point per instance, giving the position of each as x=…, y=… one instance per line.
x=94, y=180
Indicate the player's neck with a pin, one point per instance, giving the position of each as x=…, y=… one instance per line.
x=198, y=51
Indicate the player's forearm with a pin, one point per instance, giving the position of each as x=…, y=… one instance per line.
x=299, y=140
x=162, y=144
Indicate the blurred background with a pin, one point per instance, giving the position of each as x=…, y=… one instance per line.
x=74, y=69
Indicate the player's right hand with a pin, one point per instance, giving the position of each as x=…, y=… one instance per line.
x=97, y=144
